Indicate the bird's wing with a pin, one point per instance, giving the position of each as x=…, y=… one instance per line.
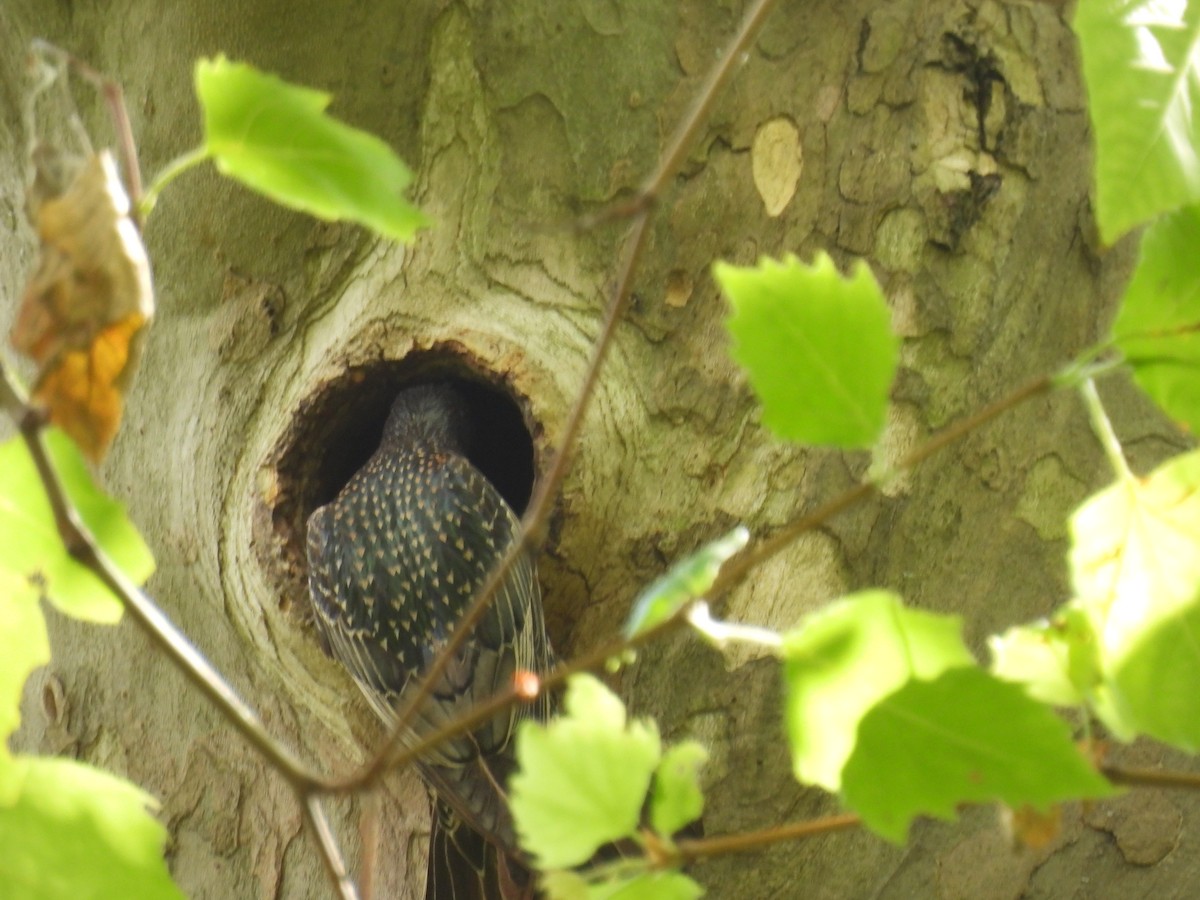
x=463, y=865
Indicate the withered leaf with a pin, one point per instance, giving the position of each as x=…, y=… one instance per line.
x=84, y=311
x=1035, y=828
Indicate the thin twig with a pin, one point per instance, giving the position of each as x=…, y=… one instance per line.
x=685, y=135
x=1105, y=433
x=331, y=855
x=680, y=143
x=595, y=659
x=737, y=568
x=80, y=544
x=368, y=840
x=697, y=849
x=1152, y=778
x=534, y=521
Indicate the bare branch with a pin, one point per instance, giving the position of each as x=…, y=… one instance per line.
x=331, y=855
x=685, y=135
x=1152, y=778
x=738, y=567
x=706, y=848
x=80, y=544
x=594, y=660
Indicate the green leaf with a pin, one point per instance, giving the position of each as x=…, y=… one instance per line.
x=1154, y=685
x=687, y=580
x=276, y=138
x=654, y=886
x=847, y=657
x=677, y=798
x=964, y=737
x=23, y=647
x=583, y=777
x=31, y=547
x=75, y=832
x=564, y=885
x=644, y=886
x=1158, y=327
x=1140, y=61
x=1056, y=661
x=1135, y=564
x=817, y=347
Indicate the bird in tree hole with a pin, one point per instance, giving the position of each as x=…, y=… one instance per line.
x=393, y=562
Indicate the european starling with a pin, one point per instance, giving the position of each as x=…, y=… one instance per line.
x=393, y=562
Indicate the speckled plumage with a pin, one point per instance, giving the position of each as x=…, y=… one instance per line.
x=393, y=562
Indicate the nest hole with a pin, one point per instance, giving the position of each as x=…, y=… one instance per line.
x=336, y=430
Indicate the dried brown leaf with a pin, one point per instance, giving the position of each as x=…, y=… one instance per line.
x=84, y=311
x=1034, y=828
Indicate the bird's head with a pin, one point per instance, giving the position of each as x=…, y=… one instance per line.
x=433, y=415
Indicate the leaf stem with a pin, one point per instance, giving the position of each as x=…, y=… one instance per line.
x=722, y=633
x=737, y=568
x=1105, y=433
x=172, y=170
x=1098, y=360
x=114, y=96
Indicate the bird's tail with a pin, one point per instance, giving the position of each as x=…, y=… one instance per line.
x=463, y=865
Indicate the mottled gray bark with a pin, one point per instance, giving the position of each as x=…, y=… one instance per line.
x=946, y=142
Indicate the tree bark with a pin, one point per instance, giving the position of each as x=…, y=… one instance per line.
x=946, y=142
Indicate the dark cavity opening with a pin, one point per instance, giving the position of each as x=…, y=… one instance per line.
x=500, y=448
x=335, y=432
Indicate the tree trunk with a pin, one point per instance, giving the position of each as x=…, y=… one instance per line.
x=945, y=142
